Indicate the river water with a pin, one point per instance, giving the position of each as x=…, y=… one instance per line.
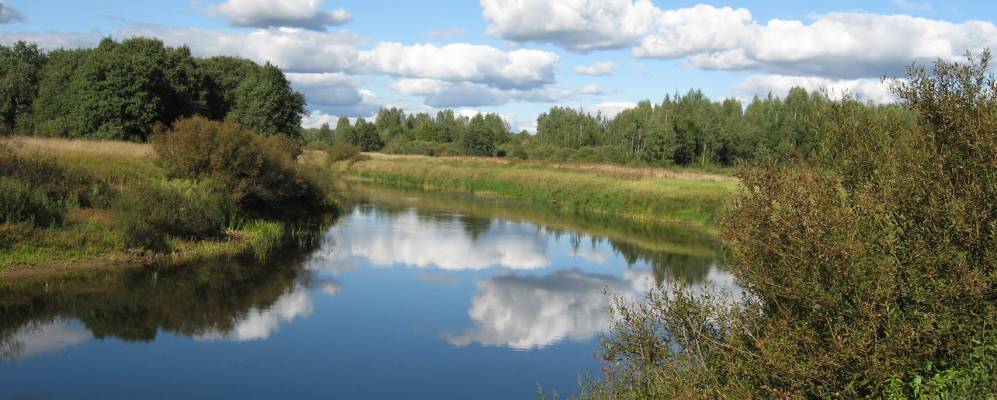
x=407, y=295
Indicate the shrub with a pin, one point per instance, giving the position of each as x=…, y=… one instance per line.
x=149, y=214
x=869, y=269
x=447, y=150
x=416, y=147
x=342, y=151
x=22, y=202
x=259, y=173
x=586, y=154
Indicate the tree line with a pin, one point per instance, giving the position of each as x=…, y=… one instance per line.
x=126, y=90
x=685, y=130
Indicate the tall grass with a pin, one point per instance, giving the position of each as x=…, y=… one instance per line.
x=639, y=194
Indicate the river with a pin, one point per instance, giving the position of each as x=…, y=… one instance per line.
x=406, y=295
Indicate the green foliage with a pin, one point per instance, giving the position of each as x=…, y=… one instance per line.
x=365, y=136
x=222, y=76
x=483, y=135
x=869, y=269
x=150, y=214
x=259, y=173
x=121, y=90
x=417, y=147
x=20, y=76
x=390, y=124
x=22, y=202
x=265, y=103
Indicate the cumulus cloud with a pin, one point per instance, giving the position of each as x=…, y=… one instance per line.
x=9, y=14
x=873, y=90
x=408, y=239
x=530, y=312
x=534, y=312
x=293, y=49
x=306, y=14
x=259, y=324
x=835, y=45
x=444, y=94
x=597, y=69
x=610, y=109
x=519, y=69
x=35, y=339
x=577, y=25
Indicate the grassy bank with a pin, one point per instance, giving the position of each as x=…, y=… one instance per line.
x=642, y=194
x=91, y=230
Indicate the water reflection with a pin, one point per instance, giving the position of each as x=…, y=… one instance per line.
x=420, y=288
x=39, y=337
x=527, y=312
x=384, y=237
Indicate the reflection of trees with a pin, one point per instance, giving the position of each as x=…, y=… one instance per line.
x=135, y=303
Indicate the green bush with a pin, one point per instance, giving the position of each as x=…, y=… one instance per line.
x=447, y=150
x=414, y=147
x=259, y=173
x=586, y=154
x=149, y=214
x=22, y=202
x=869, y=269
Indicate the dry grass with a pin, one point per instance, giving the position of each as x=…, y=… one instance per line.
x=89, y=147
x=615, y=171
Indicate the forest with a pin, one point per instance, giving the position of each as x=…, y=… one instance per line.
x=682, y=130
x=127, y=90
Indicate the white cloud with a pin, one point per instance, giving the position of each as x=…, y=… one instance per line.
x=779, y=85
x=9, y=14
x=305, y=14
x=259, y=324
x=836, y=45
x=36, y=338
x=462, y=62
x=414, y=241
x=293, y=49
x=577, y=25
x=530, y=312
x=610, y=109
x=327, y=89
x=534, y=312
x=597, y=69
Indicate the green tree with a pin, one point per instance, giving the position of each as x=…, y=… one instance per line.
x=222, y=76
x=365, y=136
x=266, y=103
x=20, y=76
x=344, y=131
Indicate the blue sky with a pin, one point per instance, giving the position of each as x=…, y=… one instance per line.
x=520, y=57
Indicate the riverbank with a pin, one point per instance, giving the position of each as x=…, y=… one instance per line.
x=653, y=195
x=89, y=233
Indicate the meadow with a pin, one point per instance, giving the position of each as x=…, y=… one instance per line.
x=642, y=194
x=102, y=220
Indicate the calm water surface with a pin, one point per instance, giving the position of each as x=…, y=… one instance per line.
x=406, y=296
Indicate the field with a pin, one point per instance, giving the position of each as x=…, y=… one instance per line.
x=89, y=238
x=642, y=194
